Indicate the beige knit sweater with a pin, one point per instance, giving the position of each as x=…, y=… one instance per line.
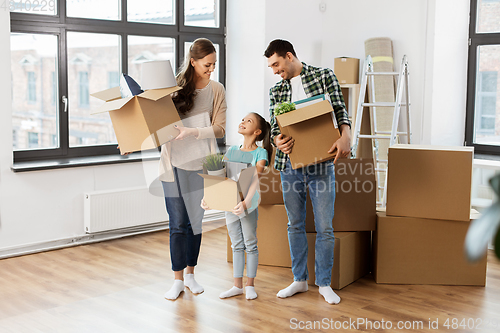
x=217, y=130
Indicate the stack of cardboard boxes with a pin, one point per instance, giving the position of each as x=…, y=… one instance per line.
x=420, y=237
x=355, y=218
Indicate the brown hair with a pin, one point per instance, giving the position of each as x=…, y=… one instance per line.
x=281, y=47
x=184, y=98
x=265, y=135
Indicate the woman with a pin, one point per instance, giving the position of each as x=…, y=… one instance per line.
x=202, y=107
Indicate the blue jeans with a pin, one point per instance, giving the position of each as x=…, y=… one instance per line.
x=182, y=199
x=243, y=234
x=320, y=180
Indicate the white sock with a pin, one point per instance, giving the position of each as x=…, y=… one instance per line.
x=295, y=287
x=250, y=292
x=191, y=283
x=175, y=291
x=234, y=291
x=329, y=295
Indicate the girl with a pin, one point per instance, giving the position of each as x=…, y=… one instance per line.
x=202, y=107
x=242, y=228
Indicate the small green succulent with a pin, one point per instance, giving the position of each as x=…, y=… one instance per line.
x=282, y=108
x=214, y=162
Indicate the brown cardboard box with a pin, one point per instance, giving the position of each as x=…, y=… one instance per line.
x=352, y=254
x=355, y=198
x=430, y=182
x=141, y=122
x=314, y=131
x=272, y=237
x=221, y=193
x=271, y=191
x=410, y=250
x=346, y=70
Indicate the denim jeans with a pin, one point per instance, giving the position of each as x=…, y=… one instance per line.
x=182, y=199
x=320, y=180
x=243, y=234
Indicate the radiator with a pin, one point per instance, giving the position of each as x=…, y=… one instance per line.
x=126, y=208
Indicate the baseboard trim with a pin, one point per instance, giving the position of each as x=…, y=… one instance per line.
x=57, y=244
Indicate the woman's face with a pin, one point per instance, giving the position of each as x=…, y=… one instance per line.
x=204, y=67
x=249, y=125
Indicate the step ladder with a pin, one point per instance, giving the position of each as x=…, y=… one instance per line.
x=403, y=84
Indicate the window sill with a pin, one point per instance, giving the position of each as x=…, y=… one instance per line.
x=73, y=162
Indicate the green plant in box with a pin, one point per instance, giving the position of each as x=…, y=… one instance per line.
x=214, y=162
x=282, y=108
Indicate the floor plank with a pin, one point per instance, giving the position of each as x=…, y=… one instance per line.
x=118, y=286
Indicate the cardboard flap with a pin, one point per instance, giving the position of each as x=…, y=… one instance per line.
x=431, y=147
x=305, y=113
x=108, y=94
x=205, y=176
x=112, y=105
x=156, y=94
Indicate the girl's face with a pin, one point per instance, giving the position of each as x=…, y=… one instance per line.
x=249, y=125
x=204, y=67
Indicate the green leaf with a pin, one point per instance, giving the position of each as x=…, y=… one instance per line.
x=214, y=162
x=282, y=108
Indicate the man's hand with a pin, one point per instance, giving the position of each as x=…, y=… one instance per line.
x=284, y=143
x=342, y=145
x=185, y=132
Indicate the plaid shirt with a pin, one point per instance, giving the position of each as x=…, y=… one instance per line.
x=316, y=81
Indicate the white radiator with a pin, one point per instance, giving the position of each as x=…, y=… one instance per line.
x=126, y=208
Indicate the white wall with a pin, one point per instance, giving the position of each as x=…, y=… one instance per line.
x=48, y=205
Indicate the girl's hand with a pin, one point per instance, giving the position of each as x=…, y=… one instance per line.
x=185, y=132
x=240, y=208
x=204, y=205
x=124, y=154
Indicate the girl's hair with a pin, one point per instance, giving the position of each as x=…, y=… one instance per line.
x=265, y=135
x=184, y=98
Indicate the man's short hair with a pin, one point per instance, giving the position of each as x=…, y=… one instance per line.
x=280, y=47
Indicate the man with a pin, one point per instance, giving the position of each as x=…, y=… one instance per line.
x=300, y=81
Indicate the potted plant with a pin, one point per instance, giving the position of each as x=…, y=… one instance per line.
x=214, y=164
x=282, y=108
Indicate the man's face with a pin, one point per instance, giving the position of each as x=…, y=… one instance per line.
x=281, y=66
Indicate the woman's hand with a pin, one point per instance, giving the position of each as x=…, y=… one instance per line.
x=124, y=154
x=185, y=132
x=204, y=204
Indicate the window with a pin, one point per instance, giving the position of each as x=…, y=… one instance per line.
x=483, y=86
x=31, y=87
x=73, y=50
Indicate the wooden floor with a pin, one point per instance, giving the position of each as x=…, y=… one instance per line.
x=118, y=286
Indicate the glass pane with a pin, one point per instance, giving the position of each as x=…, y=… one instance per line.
x=142, y=49
x=34, y=73
x=215, y=73
x=91, y=59
x=41, y=7
x=141, y=11
x=94, y=9
x=488, y=12
x=487, y=108
x=201, y=13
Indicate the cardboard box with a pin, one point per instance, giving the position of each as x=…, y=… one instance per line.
x=352, y=257
x=271, y=190
x=272, y=236
x=314, y=130
x=221, y=193
x=355, y=196
x=346, y=70
x=410, y=250
x=430, y=181
x=141, y=122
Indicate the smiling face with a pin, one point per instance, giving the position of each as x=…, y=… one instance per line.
x=204, y=67
x=282, y=66
x=249, y=125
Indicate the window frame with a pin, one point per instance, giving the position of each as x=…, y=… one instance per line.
x=59, y=25
x=475, y=41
